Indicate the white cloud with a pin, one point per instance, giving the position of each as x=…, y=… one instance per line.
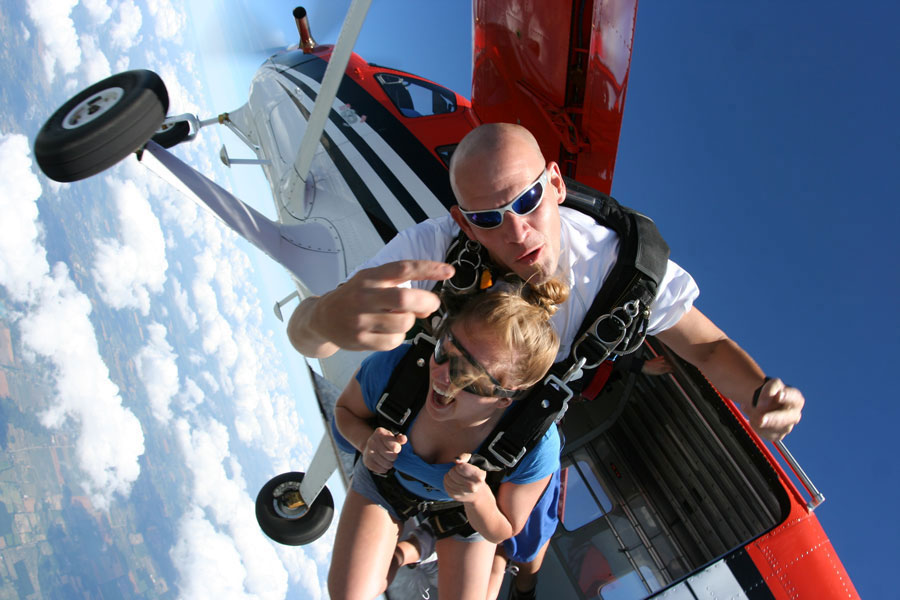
x=57, y=33
x=225, y=498
x=155, y=364
x=210, y=381
x=98, y=10
x=122, y=63
x=170, y=20
x=192, y=396
x=218, y=336
x=110, y=439
x=181, y=99
x=127, y=272
x=123, y=32
x=23, y=261
x=182, y=303
x=56, y=327
x=26, y=33
x=95, y=65
x=208, y=563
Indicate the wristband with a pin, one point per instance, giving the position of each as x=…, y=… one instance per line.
x=759, y=389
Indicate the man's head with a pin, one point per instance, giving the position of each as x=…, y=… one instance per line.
x=491, y=167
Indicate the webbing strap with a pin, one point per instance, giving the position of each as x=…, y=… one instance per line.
x=393, y=411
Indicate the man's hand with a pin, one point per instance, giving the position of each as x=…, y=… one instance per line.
x=658, y=365
x=465, y=482
x=368, y=311
x=776, y=410
x=382, y=449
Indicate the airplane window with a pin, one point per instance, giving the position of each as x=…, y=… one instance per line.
x=416, y=98
x=629, y=586
x=585, y=498
x=445, y=152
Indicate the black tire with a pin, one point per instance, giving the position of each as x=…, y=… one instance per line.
x=297, y=531
x=129, y=108
x=175, y=134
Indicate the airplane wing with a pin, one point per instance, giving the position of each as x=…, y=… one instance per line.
x=563, y=68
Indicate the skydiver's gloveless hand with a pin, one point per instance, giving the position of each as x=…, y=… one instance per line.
x=382, y=450
x=776, y=411
x=368, y=311
x=465, y=482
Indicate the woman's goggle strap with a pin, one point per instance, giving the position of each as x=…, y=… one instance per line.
x=523, y=204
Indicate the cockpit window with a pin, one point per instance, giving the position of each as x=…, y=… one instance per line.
x=416, y=98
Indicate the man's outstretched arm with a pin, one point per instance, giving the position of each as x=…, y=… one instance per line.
x=368, y=311
x=772, y=412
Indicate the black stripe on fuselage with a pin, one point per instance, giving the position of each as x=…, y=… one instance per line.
x=361, y=192
x=747, y=574
x=430, y=170
x=390, y=180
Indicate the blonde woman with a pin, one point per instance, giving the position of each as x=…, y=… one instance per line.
x=489, y=352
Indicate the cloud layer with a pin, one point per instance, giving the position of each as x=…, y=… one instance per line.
x=56, y=327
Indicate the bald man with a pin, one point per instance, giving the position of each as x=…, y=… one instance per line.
x=497, y=171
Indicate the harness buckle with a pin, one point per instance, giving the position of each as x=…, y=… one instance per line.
x=468, y=261
x=625, y=322
x=396, y=419
x=574, y=372
x=560, y=385
x=508, y=459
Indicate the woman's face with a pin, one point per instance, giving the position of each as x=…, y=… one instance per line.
x=470, y=360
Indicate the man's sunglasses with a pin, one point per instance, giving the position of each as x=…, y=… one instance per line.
x=456, y=373
x=523, y=204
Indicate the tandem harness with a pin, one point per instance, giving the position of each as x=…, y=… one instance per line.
x=615, y=325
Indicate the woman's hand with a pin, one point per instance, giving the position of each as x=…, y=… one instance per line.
x=465, y=482
x=382, y=449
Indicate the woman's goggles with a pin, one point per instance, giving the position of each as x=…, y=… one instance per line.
x=523, y=204
x=441, y=355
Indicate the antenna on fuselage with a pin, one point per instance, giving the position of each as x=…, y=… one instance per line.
x=334, y=73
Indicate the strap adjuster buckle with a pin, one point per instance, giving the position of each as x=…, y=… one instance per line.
x=507, y=459
x=383, y=409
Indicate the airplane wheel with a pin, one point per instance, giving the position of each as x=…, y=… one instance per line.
x=101, y=125
x=174, y=134
x=292, y=528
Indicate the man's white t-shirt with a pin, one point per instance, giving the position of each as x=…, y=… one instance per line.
x=588, y=254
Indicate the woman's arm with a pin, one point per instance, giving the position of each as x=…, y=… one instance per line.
x=378, y=446
x=496, y=518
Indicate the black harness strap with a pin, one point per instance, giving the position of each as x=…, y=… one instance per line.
x=643, y=253
x=393, y=410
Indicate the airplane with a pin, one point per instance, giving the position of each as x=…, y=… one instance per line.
x=668, y=492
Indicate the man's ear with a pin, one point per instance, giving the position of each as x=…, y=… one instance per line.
x=556, y=181
x=462, y=221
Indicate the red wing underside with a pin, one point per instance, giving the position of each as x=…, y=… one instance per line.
x=561, y=70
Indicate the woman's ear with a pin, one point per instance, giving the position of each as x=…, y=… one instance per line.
x=503, y=402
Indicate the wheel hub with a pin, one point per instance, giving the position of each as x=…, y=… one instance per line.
x=91, y=108
x=287, y=501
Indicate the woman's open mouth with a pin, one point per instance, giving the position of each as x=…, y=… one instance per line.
x=441, y=397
